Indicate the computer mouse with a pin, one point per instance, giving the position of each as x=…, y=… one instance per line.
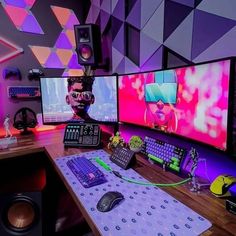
x=109, y=200
x=221, y=185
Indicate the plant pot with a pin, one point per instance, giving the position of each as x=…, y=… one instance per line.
x=138, y=149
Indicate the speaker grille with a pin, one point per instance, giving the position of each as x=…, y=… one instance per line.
x=21, y=214
x=85, y=52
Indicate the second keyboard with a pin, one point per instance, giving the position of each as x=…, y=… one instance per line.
x=86, y=172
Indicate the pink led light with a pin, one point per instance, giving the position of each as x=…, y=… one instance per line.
x=14, y=50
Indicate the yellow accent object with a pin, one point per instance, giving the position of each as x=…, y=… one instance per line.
x=221, y=185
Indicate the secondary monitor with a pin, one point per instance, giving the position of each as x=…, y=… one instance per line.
x=79, y=99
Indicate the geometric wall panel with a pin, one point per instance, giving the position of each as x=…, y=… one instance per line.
x=223, y=47
x=208, y=28
x=180, y=41
x=106, y=6
x=188, y=30
x=172, y=59
x=147, y=52
x=130, y=66
x=118, y=9
x=189, y=3
x=104, y=17
x=175, y=13
x=116, y=24
x=147, y=10
x=93, y=14
x=224, y=8
x=155, y=61
x=8, y=50
x=118, y=41
x=62, y=54
x=116, y=58
x=22, y=17
x=154, y=28
x=134, y=17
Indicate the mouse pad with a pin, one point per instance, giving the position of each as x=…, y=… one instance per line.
x=146, y=210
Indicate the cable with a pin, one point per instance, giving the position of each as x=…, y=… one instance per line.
x=117, y=174
x=150, y=184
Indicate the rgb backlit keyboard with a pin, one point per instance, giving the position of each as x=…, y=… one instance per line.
x=86, y=172
x=164, y=153
x=23, y=91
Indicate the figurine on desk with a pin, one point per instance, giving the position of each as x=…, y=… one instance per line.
x=116, y=140
x=6, y=125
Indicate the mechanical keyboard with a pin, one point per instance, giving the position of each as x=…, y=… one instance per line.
x=86, y=172
x=166, y=154
x=23, y=91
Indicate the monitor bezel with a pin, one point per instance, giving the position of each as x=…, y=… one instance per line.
x=229, y=144
x=66, y=122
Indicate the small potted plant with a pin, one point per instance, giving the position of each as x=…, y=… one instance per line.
x=135, y=143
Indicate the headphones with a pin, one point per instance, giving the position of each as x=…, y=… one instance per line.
x=25, y=118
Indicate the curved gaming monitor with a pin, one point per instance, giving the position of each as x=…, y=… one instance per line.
x=62, y=98
x=191, y=101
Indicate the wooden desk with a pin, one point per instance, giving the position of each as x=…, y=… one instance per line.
x=204, y=203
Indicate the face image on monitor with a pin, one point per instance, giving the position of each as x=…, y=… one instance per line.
x=190, y=101
x=72, y=99
x=163, y=89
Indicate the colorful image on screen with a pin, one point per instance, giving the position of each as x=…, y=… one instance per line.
x=189, y=101
x=60, y=102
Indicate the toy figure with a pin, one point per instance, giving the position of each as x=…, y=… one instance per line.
x=116, y=140
x=6, y=125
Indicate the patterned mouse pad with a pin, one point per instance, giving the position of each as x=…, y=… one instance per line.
x=146, y=210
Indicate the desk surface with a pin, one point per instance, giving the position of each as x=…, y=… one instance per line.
x=213, y=209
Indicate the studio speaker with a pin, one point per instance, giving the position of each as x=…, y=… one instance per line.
x=23, y=204
x=88, y=44
x=21, y=214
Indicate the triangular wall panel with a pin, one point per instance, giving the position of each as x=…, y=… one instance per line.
x=173, y=59
x=134, y=17
x=175, y=13
x=147, y=47
x=116, y=24
x=93, y=14
x=121, y=67
x=104, y=18
x=180, y=40
x=155, y=26
x=219, y=49
x=117, y=57
x=118, y=42
x=113, y=5
x=147, y=10
x=130, y=67
x=154, y=62
x=119, y=10
x=106, y=6
x=221, y=8
x=208, y=28
x=190, y=3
